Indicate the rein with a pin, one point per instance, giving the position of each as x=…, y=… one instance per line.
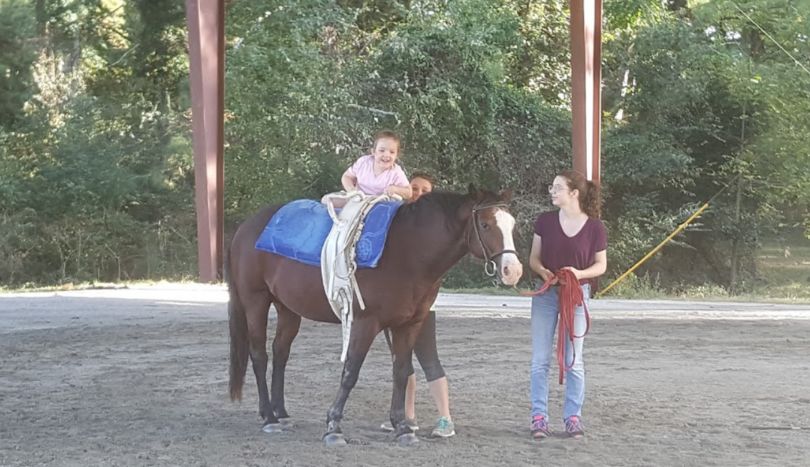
x=490, y=267
x=570, y=294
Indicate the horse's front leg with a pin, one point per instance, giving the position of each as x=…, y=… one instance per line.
x=363, y=332
x=403, y=339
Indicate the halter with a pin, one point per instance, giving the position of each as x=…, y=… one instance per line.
x=490, y=268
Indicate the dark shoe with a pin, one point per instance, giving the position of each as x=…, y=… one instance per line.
x=540, y=428
x=574, y=428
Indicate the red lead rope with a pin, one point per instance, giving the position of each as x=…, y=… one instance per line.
x=570, y=294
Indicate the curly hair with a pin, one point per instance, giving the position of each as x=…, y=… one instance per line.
x=590, y=197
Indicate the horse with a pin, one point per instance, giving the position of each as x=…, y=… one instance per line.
x=425, y=239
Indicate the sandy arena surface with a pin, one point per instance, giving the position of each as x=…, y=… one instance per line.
x=138, y=376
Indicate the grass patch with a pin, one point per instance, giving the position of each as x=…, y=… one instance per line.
x=783, y=270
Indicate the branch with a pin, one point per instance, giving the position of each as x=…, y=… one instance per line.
x=373, y=110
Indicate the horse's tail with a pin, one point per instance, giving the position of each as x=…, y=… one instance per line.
x=237, y=322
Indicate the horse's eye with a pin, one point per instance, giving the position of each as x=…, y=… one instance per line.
x=484, y=225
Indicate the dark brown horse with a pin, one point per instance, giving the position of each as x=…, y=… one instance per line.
x=425, y=240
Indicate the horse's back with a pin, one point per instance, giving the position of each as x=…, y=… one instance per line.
x=296, y=286
x=391, y=289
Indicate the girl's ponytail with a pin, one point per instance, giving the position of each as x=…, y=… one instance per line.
x=592, y=204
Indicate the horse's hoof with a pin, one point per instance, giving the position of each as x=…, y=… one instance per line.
x=407, y=439
x=286, y=422
x=273, y=428
x=334, y=439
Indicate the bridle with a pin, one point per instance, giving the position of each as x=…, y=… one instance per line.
x=490, y=268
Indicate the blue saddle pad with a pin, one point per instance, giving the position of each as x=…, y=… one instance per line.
x=299, y=229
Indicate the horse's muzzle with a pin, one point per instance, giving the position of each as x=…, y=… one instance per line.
x=510, y=269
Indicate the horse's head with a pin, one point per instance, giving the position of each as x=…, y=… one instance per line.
x=489, y=235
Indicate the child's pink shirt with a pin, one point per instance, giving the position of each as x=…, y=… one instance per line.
x=372, y=184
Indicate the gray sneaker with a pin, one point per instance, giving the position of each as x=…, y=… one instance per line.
x=411, y=424
x=444, y=428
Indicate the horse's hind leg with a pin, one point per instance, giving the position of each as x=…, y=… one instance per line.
x=257, y=306
x=286, y=330
x=363, y=333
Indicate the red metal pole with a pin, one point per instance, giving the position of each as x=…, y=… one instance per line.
x=206, y=37
x=586, y=90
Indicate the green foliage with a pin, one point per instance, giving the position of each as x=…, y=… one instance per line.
x=638, y=287
x=311, y=85
x=285, y=104
x=17, y=231
x=96, y=179
x=697, y=99
x=539, y=62
x=17, y=53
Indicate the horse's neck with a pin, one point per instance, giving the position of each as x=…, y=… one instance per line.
x=448, y=255
x=447, y=244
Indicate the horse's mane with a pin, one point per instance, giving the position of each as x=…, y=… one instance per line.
x=445, y=202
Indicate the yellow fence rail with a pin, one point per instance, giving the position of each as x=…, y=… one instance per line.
x=655, y=250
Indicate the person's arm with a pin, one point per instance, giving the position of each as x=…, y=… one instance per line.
x=404, y=191
x=349, y=180
x=400, y=185
x=595, y=270
x=534, y=260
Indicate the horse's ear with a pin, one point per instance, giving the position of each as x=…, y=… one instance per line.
x=506, y=195
x=475, y=193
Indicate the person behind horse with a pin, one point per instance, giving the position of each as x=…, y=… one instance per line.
x=379, y=173
x=426, y=351
x=571, y=238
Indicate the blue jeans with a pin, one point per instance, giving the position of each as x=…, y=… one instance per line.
x=544, y=321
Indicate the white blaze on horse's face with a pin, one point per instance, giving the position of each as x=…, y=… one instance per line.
x=509, y=267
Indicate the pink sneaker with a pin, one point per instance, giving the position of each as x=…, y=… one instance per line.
x=573, y=426
x=540, y=428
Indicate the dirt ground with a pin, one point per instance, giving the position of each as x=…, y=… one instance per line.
x=123, y=377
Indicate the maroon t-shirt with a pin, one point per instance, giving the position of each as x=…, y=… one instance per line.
x=558, y=250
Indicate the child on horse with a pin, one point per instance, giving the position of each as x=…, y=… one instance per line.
x=379, y=173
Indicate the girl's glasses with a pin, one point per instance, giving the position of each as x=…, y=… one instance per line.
x=557, y=188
